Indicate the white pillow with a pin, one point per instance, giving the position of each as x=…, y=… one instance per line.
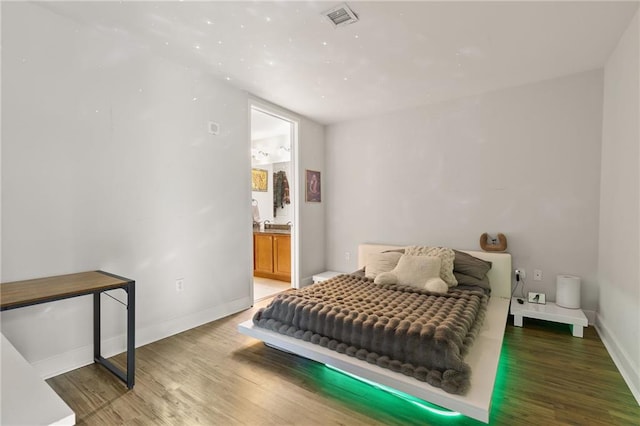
x=436, y=285
x=386, y=278
x=380, y=262
x=416, y=270
x=446, y=255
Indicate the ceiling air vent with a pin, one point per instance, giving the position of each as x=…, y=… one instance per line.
x=341, y=15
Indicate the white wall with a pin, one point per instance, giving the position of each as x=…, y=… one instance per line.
x=523, y=161
x=312, y=215
x=107, y=164
x=618, y=262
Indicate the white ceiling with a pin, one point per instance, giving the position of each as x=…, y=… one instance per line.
x=399, y=55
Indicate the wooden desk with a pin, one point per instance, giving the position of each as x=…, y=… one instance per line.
x=18, y=294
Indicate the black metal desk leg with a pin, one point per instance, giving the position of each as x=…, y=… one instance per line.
x=96, y=326
x=131, y=333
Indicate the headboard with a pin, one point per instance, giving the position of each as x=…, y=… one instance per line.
x=499, y=274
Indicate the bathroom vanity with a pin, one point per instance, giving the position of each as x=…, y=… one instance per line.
x=272, y=254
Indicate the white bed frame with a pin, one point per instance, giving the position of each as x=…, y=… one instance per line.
x=483, y=356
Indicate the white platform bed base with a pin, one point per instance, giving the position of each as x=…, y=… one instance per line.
x=483, y=356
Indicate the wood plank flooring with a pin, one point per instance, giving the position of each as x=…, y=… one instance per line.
x=212, y=375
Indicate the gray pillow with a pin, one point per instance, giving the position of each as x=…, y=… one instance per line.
x=464, y=279
x=358, y=273
x=464, y=263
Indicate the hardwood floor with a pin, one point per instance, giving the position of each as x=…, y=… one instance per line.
x=212, y=375
x=264, y=288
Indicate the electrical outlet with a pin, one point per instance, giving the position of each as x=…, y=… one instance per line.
x=537, y=275
x=347, y=255
x=179, y=285
x=521, y=274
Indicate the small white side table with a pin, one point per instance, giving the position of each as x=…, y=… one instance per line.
x=549, y=312
x=325, y=276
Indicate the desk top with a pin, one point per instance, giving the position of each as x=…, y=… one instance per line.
x=26, y=397
x=30, y=292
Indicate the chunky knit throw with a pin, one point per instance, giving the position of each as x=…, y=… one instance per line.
x=402, y=328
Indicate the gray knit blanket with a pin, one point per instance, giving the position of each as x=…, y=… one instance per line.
x=404, y=329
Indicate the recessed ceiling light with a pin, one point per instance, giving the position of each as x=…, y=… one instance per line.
x=341, y=15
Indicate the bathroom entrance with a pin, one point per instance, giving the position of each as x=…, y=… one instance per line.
x=273, y=201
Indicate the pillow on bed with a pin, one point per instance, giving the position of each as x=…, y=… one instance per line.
x=358, y=273
x=401, y=250
x=416, y=270
x=386, y=278
x=446, y=256
x=467, y=264
x=380, y=262
x=464, y=279
x=436, y=285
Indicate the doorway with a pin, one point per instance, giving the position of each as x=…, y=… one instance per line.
x=273, y=201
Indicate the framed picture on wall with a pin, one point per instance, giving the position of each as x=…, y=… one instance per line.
x=314, y=191
x=259, y=180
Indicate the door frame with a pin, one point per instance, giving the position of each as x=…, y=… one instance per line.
x=275, y=111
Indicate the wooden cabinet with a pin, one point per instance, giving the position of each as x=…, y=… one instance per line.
x=282, y=255
x=272, y=256
x=263, y=253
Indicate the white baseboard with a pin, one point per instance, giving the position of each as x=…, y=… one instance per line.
x=591, y=316
x=80, y=357
x=621, y=359
x=64, y=362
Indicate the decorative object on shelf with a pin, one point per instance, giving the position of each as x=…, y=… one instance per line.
x=493, y=244
x=537, y=298
x=568, y=291
x=259, y=180
x=313, y=192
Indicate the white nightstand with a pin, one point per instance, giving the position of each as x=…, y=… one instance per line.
x=325, y=276
x=549, y=312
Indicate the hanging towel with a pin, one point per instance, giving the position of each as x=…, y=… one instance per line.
x=280, y=191
x=255, y=210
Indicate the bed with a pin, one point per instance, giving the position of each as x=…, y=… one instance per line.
x=482, y=357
